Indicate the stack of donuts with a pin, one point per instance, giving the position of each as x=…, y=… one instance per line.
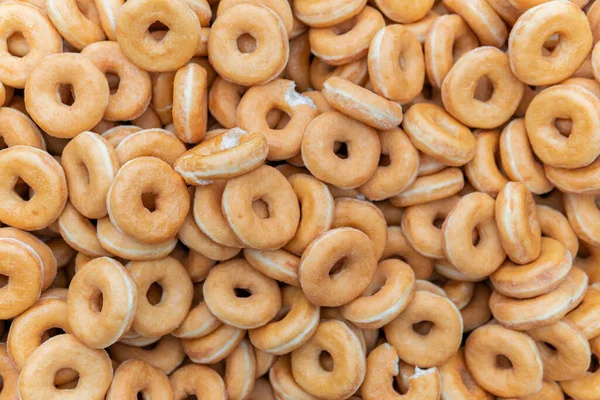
x=299, y=200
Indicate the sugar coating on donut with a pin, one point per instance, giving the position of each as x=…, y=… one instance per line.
x=203, y=182
x=231, y=138
x=294, y=99
x=420, y=372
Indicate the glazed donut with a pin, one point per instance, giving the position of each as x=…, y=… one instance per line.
x=319, y=156
x=115, y=135
x=317, y=14
x=347, y=281
x=223, y=293
x=276, y=264
x=418, y=225
x=280, y=7
x=209, y=216
x=397, y=246
x=481, y=17
x=569, y=356
x=190, y=112
x=135, y=87
x=9, y=374
x=518, y=224
x=215, y=346
x=448, y=37
x=356, y=72
x=473, y=212
x=101, y=302
x=125, y=200
x=392, y=214
x=556, y=226
x=348, y=41
x=65, y=351
x=537, y=277
x=349, y=366
x=41, y=37
x=90, y=90
x=197, y=380
x=268, y=184
x=533, y=28
x=298, y=66
x=583, y=215
x=166, y=356
x=587, y=259
x=264, y=362
x=125, y=247
x=134, y=376
x=459, y=292
x=430, y=188
x=135, y=17
x=90, y=164
x=382, y=367
x=578, y=181
x=518, y=161
x=223, y=100
x=584, y=387
x=524, y=314
x=440, y=337
x=227, y=155
x=439, y=135
x=283, y=383
x=162, y=95
x=405, y=11
x=548, y=143
x=299, y=323
x=390, y=180
x=42, y=172
x=388, y=295
x=77, y=22
x=280, y=94
x=421, y=27
x=155, y=320
x=427, y=286
x=400, y=83
x=80, y=233
x=316, y=211
x=262, y=390
x=27, y=330
x=62, y=252
x=199, y=321
x=240, y=369
x=457, y=381
x=193, y=237
x=154, y=142
x=469, y=69
x=585, y=317
x=269, y=58
x=484, y=349
x=365, y=217
x=361, y=104
x=49, y=261
x=18, y=129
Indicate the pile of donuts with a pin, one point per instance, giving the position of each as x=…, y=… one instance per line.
x=313, y=199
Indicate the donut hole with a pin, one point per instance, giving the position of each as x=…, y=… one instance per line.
x=158, y=26
x=475, y=237
x=283, y=121
x=423, y=328
x=261, y=208
x=326, y=361
x=97, y=302
x=65, y=94
x=23, y=190
x=191, y=397
x=398, y=387
x=281, y=314
x=564, y=126
x=154, y=294
x=113, y=82
x=17, y=45
x=549, y=346
x=149, y=201
x=3, y=281
x=50, y=333
x=551, y=44
x=342, y=150
x=484, y=89
x=69, y=385
x=384, y=160
x=502, y=362
x=242, y=293
x=438, y=222
x=594, y=364
x=247, y=43
x=344, y=27
x=338, y=267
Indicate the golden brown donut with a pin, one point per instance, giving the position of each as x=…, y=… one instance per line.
x=135, y=376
